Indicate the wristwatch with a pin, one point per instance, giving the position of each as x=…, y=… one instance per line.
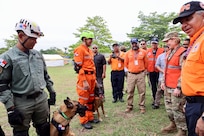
x=202, y=116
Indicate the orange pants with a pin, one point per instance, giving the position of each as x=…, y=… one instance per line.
x=86, y=97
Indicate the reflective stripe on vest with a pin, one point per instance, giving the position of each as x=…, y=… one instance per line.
x=173, y=68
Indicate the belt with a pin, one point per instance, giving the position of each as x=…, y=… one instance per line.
x=31, y=96
x=136, y=72
x=195, y=99
x=89, y=72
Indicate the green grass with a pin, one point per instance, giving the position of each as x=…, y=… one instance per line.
x=116, y=124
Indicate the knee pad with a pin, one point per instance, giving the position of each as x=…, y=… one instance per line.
x=43, y=129
x=20, y=133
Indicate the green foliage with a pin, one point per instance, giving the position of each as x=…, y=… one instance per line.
x=103, y=38
x=11, y=42
x=52, y=50
x=2, y=50
x=154, y=25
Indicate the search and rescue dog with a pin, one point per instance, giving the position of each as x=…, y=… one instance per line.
x=98, y=101
x=59, y=125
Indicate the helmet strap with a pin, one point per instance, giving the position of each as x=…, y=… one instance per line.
x=23, y=43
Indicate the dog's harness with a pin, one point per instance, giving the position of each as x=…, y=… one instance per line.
x=60, y=127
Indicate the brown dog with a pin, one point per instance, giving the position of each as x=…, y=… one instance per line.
x=59, y=125
x=98, y=102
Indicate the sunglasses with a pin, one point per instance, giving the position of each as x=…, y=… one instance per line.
x=142, y=44
x=94, y=48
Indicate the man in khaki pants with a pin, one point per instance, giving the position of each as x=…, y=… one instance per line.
x=136, y=64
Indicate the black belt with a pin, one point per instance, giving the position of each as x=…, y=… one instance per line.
x=31, y=96
x=195, y=99
x=136, y=72
x=89, y=72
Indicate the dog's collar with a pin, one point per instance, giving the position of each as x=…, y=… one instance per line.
x=64, y=115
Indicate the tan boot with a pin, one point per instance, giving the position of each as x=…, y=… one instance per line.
x=170, y=128
x=181, y=132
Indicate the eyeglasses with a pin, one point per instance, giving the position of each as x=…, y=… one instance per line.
x=142, y=44
x=185, y=44
x=94, y=48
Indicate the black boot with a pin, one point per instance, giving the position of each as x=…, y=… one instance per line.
x=87, y=125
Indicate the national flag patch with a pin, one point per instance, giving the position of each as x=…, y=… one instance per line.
x=3, y=63
x=76, y=54
x=61, y=127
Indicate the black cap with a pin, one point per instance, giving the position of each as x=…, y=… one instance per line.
x=115, y=44
x=154, y=40
x=188, y=9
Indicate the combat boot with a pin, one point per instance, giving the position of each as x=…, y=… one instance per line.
x=170, y=128
x=181, y=132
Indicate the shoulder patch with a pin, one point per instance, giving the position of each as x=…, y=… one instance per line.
x=76, y=54
x=3, y=63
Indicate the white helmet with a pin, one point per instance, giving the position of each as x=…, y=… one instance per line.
x=30, y=28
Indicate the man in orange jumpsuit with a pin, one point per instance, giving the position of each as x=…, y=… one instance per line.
x=83, y=58
x=191, y=17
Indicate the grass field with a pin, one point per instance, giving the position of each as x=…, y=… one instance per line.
x=116, y=124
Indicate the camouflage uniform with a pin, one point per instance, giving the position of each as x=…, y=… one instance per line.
x=174, y=108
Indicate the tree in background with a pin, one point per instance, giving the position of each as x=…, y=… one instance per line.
x=102, y=34
x=155, y=25
x=53, y=50
x=9, y=43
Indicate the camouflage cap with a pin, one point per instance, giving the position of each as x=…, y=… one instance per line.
x=170, y=35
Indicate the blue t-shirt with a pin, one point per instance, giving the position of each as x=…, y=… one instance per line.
x=161, y=63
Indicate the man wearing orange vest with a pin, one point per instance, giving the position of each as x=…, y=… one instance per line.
x=116, y=61
x=174, y=99
x=83, y=57
x=152, y=54
x=136, y=64
x=191, y=17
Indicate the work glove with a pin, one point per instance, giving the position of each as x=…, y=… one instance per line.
x=52, y=99
x=15, y=117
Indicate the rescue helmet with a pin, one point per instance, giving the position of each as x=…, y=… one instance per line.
x=30, y=28
x=87, y=34
x=134, y=40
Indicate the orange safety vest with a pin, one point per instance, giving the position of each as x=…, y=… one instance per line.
x=152, y=59
x=173, y=68
x=192, y=74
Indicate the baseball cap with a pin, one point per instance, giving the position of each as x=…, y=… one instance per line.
x=134, y=40
x=170, y=35
x=188, y=9
x=154, y=40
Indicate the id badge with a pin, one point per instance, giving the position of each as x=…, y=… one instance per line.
x=136, y=62
x=119, y=65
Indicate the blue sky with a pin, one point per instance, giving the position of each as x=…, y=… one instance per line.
x=59, y=19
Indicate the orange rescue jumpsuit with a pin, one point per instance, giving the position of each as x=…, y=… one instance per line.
x=83, y=57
